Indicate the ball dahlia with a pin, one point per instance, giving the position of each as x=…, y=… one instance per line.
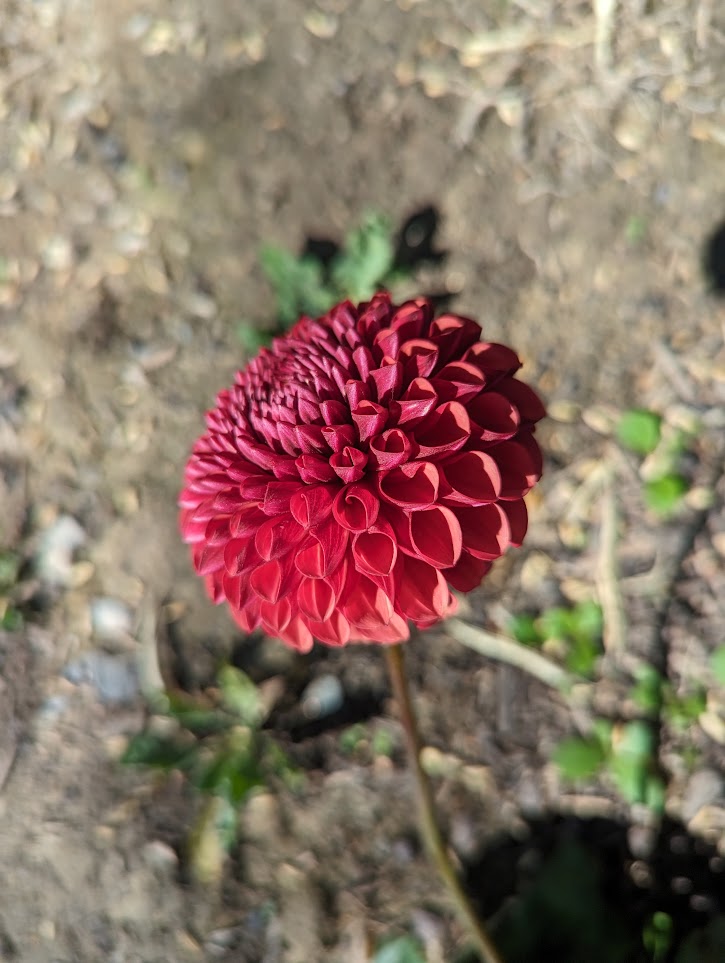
x=368, y=462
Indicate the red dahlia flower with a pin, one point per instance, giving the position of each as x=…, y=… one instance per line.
x=367, y=462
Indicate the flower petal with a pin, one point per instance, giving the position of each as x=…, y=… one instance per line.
x=414, y=485
x=472, y=477
x=436, y=536
x=446, y=430
x=356, y=507
x=486, y=530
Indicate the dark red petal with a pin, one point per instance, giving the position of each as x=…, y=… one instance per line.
x=311, y=506
x=447, y=430
x=246, y=521
x=436, y=536
x=486, y=530
x=369, y=418
x=414, y=485
x=386, y=382
x=518, y=520
x=418, y=400
x=217, y=531
x=339, y=437
x=390, y=449
x=473, y=478
x=458, y=381
x=310, y=439
x=412, y=319
x=453, y=335
x=494, y=360
x=519, y=462
x=334, y=412
x=423, y=592
x=349, y=464
x=277, y=496
x=419, y=358
x=495, y=417
x=356, y=392
x=376, y=551
x=364, y=362
x=356, y=508
x=467, y=573
x=524, y=398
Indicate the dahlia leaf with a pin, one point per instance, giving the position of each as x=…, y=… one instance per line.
x=639, y=430
x=366, y=260
x=298, y=284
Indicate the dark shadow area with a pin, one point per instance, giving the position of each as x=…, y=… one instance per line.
x=572, y=891
x=714, y=261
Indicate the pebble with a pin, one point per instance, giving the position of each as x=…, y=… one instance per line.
x=55, y=555
x=114, y=677
x=111, y=618
x=705, y=787
x=322, y=697
x=57, y=254
x=160, y=856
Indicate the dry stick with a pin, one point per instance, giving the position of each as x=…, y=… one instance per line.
x=428, y=824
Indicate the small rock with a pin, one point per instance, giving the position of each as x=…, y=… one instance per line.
x=113, y=677
x=322, y=697
x=111, y=619
x=55, y=554
x=159, y=856
x=704, y=788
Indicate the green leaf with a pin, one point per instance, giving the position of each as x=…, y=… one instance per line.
x=403, y=950
x=647, y=693
x=160, y=752
x=524, y=629
x=639, y=430
x=657, y=936
x=579, y=758
x=230, y=774
x=298, y=284
x=367, y=258
x=556, y=623
x=655, y=794
x=582, y=656
x=630, y=775
x=717, y=664
x=637, y=739
x=12, y=620
x=241, y=696
x=9, y=569
x=587, y=621
x=663, y=495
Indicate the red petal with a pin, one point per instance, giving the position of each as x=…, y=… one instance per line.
x=238, y=554
x=495, y=417
x=395, y=631
x=316, y=599
x=314, y=469
x=436, y=536
x=386, y=382
x=414, y=485
x=486, y=530
x=369, y=418
x=277, y=496
x=518, y=520
x=526, y=400
x=375, y=551
x=447, y=430
x=458, y=381
x=356, y=508
x=390, y=449
x=467, y=573
x=275, y=616
x=277, y=536
x=334, y=412
x=453, y=335
x=349, y=464
x=310, y=439
x=519, y=462
x=208, y=559
x=494, y=360
x=267, y=581
x=297, y=635
x=311, y=506
x=367, y=607
x=419, y=358
x=473, y=477
x=325, y=550
x=423, y=592
x=419, y=399
x=333, y=631
x=246, y=521
x=338, y=437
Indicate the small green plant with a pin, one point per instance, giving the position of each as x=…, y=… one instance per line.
x=305, y=285
x=639, y=430
x=657, y=936
x=717, y=664
x=11, y=619
x=577, y=630
x=625, y=752
x=216, y=741
x=655, y=695
x=404, y=949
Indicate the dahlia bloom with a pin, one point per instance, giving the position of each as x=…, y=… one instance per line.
x=360, y=468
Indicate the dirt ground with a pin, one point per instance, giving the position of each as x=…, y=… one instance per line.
x=575, y=154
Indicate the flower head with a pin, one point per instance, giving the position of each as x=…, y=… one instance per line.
x=364, y=465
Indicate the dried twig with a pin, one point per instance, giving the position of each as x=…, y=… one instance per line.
x=503, y=649
x=610, y=593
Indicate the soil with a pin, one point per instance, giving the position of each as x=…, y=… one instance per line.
x=148, y=151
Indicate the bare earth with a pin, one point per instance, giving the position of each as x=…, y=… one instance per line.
x=147, y=150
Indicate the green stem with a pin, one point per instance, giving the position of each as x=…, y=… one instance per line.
x=429, y=828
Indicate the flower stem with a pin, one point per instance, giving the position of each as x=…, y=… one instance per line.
x=429, y=828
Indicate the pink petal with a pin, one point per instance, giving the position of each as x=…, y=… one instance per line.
x=390, y=449
x=311, y=506
x=316, y=599
x=473, y=478
x=414, y=485
x=356, y=508
x=277, y=536
x=349, y=464
x=376, y=551
x=423, y=592
x=333, y=631
x=436, y=536
x=369, y=418
x=386, y=382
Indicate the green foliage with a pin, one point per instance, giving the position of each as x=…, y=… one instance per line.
x=9, y=569
x=402, y=950
x=578, y=629
x=664, y=495
x=717, y=663
x=218, y=744
x=366, y=259
x=657, y=936
x=639, y=430
x=352, y=737
x=298, y=284
x=579, y=758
